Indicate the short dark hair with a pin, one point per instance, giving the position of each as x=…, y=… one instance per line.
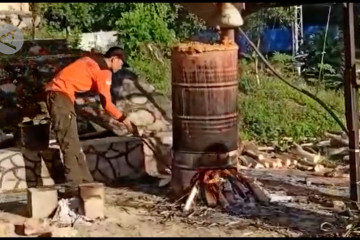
x=117, y=52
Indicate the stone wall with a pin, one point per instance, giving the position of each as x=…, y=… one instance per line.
x=109, y=159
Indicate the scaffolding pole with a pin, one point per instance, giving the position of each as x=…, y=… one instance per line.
x=297, y=30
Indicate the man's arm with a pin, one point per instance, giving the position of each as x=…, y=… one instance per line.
x=103, y=84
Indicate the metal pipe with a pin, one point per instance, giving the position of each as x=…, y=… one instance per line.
x=227, y=33
x=351, y=100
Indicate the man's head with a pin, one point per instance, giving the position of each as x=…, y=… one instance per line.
x=115, y=58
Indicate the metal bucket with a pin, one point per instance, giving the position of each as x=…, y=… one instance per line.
x=34, y=135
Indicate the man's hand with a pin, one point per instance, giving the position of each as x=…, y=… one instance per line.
x=129, y=125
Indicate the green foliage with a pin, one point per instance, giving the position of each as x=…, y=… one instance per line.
x=153, y=67
x=145, y=23
x=272, y=110
x=185, y=24
x=332, y=67
x=270, y=17
x=283, y=60
x=67, y=16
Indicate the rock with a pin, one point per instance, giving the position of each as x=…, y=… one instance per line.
x=165, y=138
x=157, y=126
x=32, y=227
x=141, y=117
x=140, y=100
x=339, y=206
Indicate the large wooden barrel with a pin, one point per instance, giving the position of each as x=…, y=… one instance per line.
x=205, y=116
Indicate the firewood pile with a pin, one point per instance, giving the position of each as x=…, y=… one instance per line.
x=327, y=157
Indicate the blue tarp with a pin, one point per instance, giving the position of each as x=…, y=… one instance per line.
x=280, y=39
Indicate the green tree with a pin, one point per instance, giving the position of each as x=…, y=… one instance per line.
x=145, y=23
x=67, y=16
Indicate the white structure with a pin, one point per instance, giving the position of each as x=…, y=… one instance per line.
x=297, y=30
x=100, y=41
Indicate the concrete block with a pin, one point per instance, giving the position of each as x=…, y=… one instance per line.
x=41, y=202
x=93, y=196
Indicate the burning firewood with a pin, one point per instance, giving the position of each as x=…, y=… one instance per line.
x=224, y=187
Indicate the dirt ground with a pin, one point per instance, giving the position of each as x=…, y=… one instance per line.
x=142, y=209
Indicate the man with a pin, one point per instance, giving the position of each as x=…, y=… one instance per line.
x=89, y=73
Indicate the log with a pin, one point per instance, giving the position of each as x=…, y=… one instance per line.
x=266, y=163
x=336, y=174
x=223, y=201
x=103, y=119
x=253, y=154
x=335, y=132
x=307, y=145
x=315, y=158
x=192, y=195
x=338, y=151
x=337, y=140
x=252, y=162
x=309, y=149
x=240, y=148
x=333, y=136
x=258, y=157
x=306, y=162
x=336, y=143
x=304, y=168
x=266, y=149
x=279, y=198
x=325, y=143
x=260, y=193
x=276, y=163
x=286, y=162
x=259, y=166
x=210, y=198
x=319, y=168
x=250, y=146
x=243, y=161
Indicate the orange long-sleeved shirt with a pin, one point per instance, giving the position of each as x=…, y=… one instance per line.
x=85, y=74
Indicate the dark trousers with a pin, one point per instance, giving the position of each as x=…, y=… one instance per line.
x=63, y=121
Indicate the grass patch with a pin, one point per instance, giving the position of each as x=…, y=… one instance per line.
x=272, y=110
